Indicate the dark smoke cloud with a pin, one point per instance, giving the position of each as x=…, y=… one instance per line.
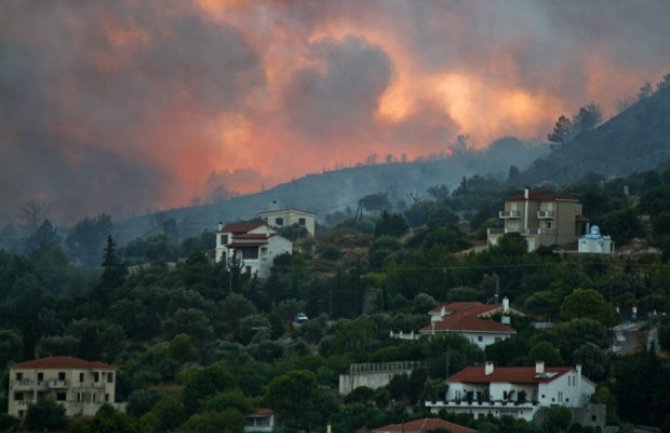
x=340, y=93
x=125, y=106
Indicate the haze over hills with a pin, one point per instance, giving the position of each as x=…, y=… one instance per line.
x=637, y=139
x=330, y=191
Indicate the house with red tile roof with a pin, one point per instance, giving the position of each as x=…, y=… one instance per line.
x=81, y=386
x=262, y=420
x=253, y=246
x=280, y=218
x=542, y=219
x=423, y=425
x=470, y=319
x=514, y=391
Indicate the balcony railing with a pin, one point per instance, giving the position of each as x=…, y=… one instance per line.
x=58, y=383
x=545, y=214
x=546, y=231
x=481, y=403
x=506, y=214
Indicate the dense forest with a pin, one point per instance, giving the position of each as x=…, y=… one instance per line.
x=199, y=345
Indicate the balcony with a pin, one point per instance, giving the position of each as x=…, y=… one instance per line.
x=509, y=214
x=546, y=231
x=57, y=384
x=545, y=214
x=483, y=404
x=28, y=385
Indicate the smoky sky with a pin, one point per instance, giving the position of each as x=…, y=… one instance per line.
x=129, y=106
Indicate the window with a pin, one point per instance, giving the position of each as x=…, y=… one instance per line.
x=93, y=397
x=19, y=376
x=81, y=377
x=18, y=396
x=248, y=269
x=250, y=253
x=279, y=221
x=96, y=377
x=61, y=376
x=594, y=418
x=302, y=221
x=224, y=239
x=106, y=397
x=61, y=396
x=40, y=377
x=480, y=338
x=79, y=396
x=110, y=377
x=560, y=396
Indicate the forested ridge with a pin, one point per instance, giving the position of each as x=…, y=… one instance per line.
x=198, y=345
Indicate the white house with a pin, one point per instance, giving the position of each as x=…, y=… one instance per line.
x=595, y=243
x=471, y=320
x=261, y=421
x=254, y=245
x=288, y=217
x=82, y=387
x=515, y=391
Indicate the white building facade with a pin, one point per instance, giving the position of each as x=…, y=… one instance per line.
x=519, y=392
x=254, y=246
x=80, y=386
x=595, y=243
x=472, y=320
x=288, y=217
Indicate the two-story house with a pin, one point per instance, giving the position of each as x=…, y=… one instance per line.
x=82, y=387
x=253, y=246
x=514, y=391
x=287, y=217
x=542, y=219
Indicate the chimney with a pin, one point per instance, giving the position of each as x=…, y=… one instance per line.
x=526, y=197
x=505, y=305
x=539, y=367
x=220, y=227
x=488, y=368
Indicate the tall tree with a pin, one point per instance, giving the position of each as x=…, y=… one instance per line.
x=563, y=131
x=587, y=118
x=87, y=239
x=113, y=272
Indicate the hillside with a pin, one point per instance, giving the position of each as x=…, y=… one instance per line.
x=340, y=189
x=635, y=140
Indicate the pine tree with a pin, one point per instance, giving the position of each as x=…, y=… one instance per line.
x=114, y=271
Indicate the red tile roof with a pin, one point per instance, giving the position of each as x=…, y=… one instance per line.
x=240, y=227
x=263, y=411
x=64, y=362
x=423, y=425
x=471, y=308
x=518, y=375
x=465, y=323
x=538, y=196
x=254, y=236
x=240, y=245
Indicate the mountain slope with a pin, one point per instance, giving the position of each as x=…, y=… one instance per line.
x=635, y=140
x=336, y=190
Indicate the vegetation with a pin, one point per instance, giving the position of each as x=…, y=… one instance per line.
x=200, y=345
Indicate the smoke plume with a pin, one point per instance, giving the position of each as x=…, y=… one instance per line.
x=128, y=106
